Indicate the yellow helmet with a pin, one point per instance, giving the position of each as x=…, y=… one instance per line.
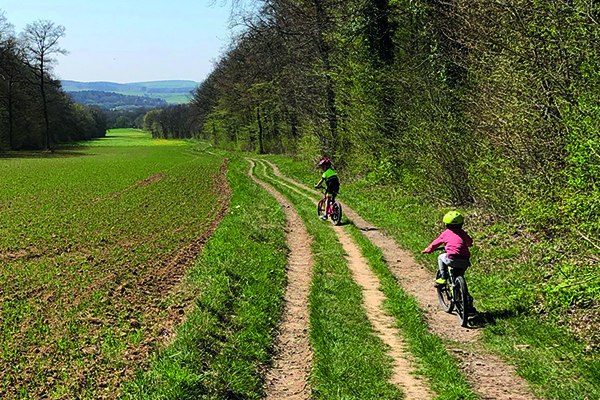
x=453, y=218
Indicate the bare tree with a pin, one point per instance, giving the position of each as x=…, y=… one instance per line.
x=40, y=41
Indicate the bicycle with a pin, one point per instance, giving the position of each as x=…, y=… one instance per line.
x=455, y=294
x=335, y=209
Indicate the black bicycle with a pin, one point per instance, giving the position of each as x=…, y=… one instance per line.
x=455, y=294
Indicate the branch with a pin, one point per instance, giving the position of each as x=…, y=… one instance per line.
x=587, y=239
x=580, y=283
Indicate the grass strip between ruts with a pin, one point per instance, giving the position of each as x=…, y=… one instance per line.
x=430, y=355
x=221, y=349
x=350, y=361
x=436, y=364
x=547, y=355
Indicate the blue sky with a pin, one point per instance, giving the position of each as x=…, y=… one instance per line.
x=131, y=40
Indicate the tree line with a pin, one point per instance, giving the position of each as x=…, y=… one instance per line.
x=118, y=101
x=35, y=113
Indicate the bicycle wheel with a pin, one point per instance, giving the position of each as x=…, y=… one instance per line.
x=461, y=299
x=321, y=207
x=444, y=296
x=336, y=216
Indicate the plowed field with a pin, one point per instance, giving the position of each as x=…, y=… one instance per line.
x=94, y=243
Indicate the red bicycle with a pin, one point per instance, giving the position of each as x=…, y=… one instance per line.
x=335, y=209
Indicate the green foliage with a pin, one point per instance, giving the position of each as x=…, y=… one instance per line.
x=35, y=113
x=500, y=113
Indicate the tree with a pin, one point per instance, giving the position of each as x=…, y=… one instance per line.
x=40, y=41
x=123, y=122
x=10, y=69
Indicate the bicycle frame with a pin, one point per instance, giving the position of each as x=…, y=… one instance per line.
x=455, y=294
x=324, y=201
x=334, y=210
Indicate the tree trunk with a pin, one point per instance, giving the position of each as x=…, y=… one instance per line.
x=261, y=149
x=324, y=53
x=10, y=115
x=45, y=105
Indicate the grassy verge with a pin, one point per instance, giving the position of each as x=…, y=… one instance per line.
x=350, y=362
x=221, y=349
x=507, y=279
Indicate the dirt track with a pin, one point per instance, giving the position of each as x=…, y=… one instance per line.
x=384, y=324
x=288, y=379
x=490, y=377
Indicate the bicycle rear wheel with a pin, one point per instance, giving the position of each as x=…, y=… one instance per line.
x=321, y=207
x=444, y=296
x=336, y=216
x=461, y=299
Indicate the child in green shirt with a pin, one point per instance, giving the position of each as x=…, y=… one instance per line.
x=332, y=183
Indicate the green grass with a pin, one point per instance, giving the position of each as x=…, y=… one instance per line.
x=508, y=281
x=350, y=361
x=436, y=364
x=81, y=250
x=222, y=349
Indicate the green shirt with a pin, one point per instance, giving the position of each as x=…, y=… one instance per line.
x=331, y=180
x=328, y=174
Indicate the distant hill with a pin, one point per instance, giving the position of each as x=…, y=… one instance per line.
x=174, y=92
x=115, y=101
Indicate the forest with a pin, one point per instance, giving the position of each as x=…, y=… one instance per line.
x=35, y=112
x=110, y=101
x=483, y=103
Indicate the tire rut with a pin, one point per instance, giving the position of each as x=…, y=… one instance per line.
x=383, y=323
x=490, y=377
x=288, y=378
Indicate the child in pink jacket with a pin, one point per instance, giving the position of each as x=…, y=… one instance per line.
x=457, y=243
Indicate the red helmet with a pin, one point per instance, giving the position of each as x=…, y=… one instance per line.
x=324, y=163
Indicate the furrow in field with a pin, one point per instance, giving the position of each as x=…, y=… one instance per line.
x=288, y=379
x=490, y=376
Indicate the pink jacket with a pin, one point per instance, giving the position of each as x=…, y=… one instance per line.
x=456, y=241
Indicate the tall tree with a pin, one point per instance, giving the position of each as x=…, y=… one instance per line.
x=10, y=69
x=40, y=40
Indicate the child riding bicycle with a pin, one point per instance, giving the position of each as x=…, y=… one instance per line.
x=331, y=181
x=457, y=243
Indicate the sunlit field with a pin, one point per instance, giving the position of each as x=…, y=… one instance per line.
x=93, y=239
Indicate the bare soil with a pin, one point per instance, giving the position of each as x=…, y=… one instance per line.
x=144, y=182
x=288, y=378
x=490, y=376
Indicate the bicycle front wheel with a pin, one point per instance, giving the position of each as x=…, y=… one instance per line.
x=444, y=296
x=321, y=207
x=461, y=299
x=336, y=216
